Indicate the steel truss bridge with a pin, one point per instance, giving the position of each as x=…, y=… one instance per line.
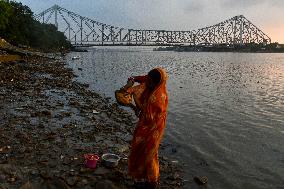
x=83, y=31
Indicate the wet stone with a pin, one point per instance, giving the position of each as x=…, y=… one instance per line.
x=46, y=175
x=34, y=172
x=52, y=164
x=85, y=170
x=71, y=181
x=201, y=180
x=66, y=161
x=101, y=171
x=106, y=184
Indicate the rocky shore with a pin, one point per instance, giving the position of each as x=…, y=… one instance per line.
x=48, y=122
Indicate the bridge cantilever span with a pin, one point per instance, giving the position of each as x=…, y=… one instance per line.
x=83, y=31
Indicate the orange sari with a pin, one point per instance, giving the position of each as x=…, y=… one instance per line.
x=143, y=160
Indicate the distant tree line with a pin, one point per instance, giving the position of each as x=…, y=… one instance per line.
x=18, y=27
x=273, y=47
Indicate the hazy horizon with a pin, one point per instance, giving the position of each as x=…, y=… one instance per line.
x=267, y=15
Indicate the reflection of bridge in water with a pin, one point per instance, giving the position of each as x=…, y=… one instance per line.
x=82, y=31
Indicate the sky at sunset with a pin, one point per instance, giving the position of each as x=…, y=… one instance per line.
x=268, y=15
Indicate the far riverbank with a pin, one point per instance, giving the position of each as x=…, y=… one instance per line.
x=245, y=48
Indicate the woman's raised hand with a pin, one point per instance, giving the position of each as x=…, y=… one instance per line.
x=131, y=79
x=130, y=83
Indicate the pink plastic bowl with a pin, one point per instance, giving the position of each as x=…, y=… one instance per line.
x=91, y=160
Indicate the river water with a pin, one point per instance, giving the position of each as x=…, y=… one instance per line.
x=226, y=110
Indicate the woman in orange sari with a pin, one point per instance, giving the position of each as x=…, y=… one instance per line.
x=151, y=101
